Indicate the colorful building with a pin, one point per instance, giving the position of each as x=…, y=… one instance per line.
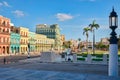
x=62, y=37
x=32, y=41
x=105, y=41
x=23, y=39
x=4, y=35
x=52, y=31
x=43, y=43
x=14, y=40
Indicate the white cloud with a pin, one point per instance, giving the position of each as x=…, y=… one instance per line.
x=11, y=24
x=63, y=16
x=18, y=13
x=4, y=3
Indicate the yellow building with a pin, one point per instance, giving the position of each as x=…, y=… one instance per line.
x=43, y=43
x=62, y=40
x=23, y=39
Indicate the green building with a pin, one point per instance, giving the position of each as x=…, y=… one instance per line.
x=14, y=40
x=52, y=31
x=14, y=43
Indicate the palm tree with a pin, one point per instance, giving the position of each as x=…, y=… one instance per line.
x=94, y=26
x=85, y=31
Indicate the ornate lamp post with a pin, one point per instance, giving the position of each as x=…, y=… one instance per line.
x=113, y=48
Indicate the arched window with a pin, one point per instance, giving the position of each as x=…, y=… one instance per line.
x=0, y=30
x=3, y=23
x=3, y=30
x=16, y=31
x=7, y=30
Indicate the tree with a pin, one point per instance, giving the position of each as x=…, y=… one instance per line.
x=85, y=31
x=93, y=26
x=102, y=46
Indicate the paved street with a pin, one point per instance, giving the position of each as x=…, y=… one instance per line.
x=33, y=69
x=22, y=74
x=16, y=58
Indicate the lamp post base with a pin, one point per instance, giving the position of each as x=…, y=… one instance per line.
x=113, y=60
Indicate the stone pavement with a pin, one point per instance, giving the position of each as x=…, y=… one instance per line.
x=23, y=74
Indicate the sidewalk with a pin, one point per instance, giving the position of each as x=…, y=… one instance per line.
x=22, y=74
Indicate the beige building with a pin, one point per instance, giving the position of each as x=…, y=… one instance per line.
x=62, y=40
x=105, y=41
x=43, y=43
x=23, y=39
x=51, y=31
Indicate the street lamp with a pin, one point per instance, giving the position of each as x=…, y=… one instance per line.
x=113, y=48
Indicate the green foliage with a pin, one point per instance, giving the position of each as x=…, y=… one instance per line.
x=82, y=59
x=97, y=59
x=101, y=46
x=98, y=55
x=82, y=54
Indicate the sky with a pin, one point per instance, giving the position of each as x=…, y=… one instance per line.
x=71, y=15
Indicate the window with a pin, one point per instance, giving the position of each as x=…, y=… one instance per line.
x=0, y=30
x=1, y=39
x=16, y=31
x=5, y=40
x=3, y=23
x=3, y=30
x=7, y=30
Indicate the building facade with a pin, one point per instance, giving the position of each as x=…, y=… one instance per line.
x=4, y=35
x=14, y=43
x=62, y=37
x=14, y=40
x=23, y=39
x=31, y=41
x=43, y=43
x=52, y=31
x=105, y=41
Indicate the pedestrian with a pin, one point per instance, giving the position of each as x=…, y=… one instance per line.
x=4, y=60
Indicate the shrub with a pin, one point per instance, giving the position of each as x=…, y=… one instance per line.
x=97, y=59
x=82, y=59
x=82, y=54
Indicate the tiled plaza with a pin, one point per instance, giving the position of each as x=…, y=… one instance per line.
x=22, y=74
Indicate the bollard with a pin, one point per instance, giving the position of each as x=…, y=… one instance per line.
x=89, y=58
x=74, y=57
x=104, y=58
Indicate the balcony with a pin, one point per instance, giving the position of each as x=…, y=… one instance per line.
x=24, y=36
x=5, y=33
x=4, y=43
x=5, y=26
x=23, y=43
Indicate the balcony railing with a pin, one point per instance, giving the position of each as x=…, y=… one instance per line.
x=4, y=43
x=5, y=33
x=4, y=25
x=24, y=35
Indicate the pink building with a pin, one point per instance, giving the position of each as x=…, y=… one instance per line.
x=4, y=35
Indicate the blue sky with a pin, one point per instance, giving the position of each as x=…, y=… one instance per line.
x=71, y=15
